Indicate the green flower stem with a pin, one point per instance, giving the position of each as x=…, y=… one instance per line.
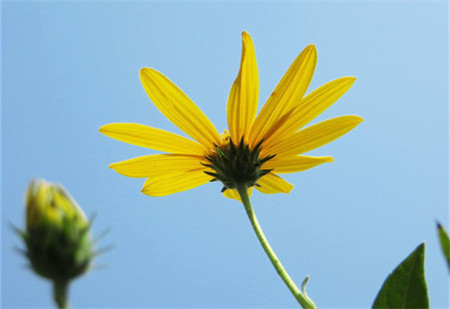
x=60, y=294
x=303, y=300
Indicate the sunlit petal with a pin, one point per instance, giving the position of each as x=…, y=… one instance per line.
x=147, y=166
x=178, y=108
x=292, y=164
x=289, y=92
x=243, y=97
x=233, y=194
x=165, y=184
x=314, y=136
x=144, y=136
x=271, y=183
x=311, y=106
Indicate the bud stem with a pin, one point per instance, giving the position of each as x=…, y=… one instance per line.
x=60, y=294
x=303, y=300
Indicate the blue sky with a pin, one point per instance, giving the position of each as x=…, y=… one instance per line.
x=70, y=67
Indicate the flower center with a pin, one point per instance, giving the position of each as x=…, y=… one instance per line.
x=236, y=164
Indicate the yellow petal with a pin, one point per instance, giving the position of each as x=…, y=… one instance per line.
x=294, y=164
x=312, y=106
x=272, y=183
x=243, y=97
x=314, y=136
x=148, y=166
x=289, y=92
x=178, y=108
x=144, y=136
x=233, y=194
x=166, y=184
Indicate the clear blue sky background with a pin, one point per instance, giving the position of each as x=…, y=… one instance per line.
x=70, y=67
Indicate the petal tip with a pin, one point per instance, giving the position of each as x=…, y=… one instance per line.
x=328, y=160
x=103, y=129
x=146, y=192
x=354, y=119
x=246, y=38
x=358, y=119
x=311, y=48
x=145, y=72
x=287, y=188
x=351, y=79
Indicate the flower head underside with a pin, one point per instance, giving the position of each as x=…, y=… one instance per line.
x=257, y=147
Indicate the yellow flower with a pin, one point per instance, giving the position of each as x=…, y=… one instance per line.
x=257, y=147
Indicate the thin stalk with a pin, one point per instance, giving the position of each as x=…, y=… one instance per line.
x=60, y=294
x=303, y=300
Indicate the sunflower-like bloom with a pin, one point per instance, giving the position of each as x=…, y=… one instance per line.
x=255, y=150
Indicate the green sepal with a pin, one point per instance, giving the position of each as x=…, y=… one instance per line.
x=63, y=255
x=236, y=165
x=405, y=287
x=221, y=153
x=215, y=175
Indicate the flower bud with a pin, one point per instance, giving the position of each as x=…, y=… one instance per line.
x=57, y=237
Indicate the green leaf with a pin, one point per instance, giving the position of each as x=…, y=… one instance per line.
x=405, y=287
x=445, y=243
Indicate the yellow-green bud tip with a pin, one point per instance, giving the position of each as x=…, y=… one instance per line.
x=51, y=204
